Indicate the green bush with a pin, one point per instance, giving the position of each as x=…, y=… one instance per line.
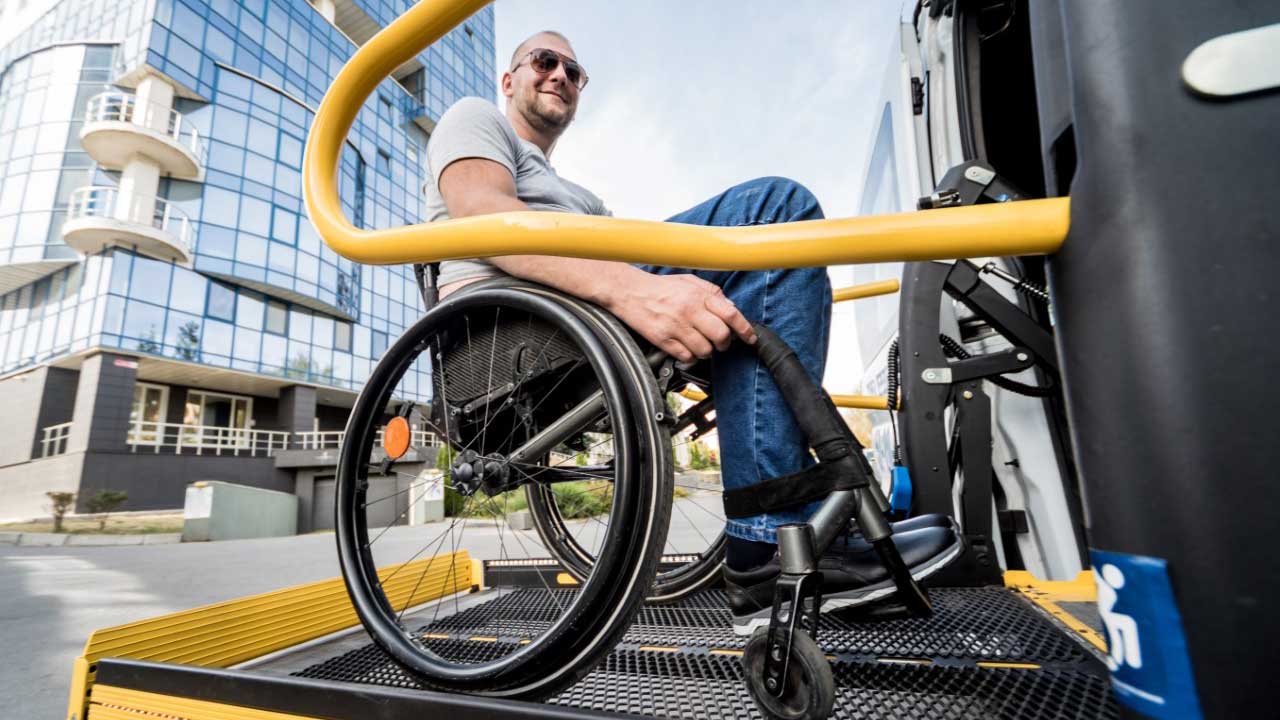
x=104, y=501
x=583, y=499
x=62, y=502
x=697, y=460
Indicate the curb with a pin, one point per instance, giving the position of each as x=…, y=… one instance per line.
x=29, y=539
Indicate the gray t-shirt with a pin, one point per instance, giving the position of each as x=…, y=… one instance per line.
x=474, y=128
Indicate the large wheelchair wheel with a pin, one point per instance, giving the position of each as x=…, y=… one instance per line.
x=694, y=548
x=519, y=378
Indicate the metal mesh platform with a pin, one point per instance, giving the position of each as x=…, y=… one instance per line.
x=986, y=653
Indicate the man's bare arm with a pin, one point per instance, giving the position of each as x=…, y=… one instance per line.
x=682, y=314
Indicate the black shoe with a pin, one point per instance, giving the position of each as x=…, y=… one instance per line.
x=852, y=574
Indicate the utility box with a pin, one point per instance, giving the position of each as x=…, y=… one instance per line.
x=225, y=511
x=426, y=497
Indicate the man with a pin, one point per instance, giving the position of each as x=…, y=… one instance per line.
x=483, y=162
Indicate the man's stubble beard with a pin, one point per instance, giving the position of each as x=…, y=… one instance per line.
x=544, y=122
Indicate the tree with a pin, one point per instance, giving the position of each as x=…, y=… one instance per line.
x=104, y=501
x=62, y=502
x=299, y=366
x=189, y=341
x=150, y=344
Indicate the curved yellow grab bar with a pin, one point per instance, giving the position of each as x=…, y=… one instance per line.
x=865, y=290
x=1030, y=227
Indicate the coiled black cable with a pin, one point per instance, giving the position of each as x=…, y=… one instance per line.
x=891, y=398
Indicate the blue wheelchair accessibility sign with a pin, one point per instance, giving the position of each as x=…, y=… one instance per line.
x=1147, y=649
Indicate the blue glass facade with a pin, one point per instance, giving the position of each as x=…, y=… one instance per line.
x=261, y=293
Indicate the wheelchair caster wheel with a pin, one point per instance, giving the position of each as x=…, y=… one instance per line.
x=810, y=690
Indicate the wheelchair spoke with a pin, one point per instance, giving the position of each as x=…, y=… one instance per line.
x=691, y=522
x=493, y=350
x=513, y=392
x=548, y=394
x=398, y=493
x=516, y=535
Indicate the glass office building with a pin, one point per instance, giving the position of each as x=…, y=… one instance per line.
x=163, y=298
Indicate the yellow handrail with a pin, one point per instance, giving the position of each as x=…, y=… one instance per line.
x=1029, y=227
x=865, y=290
x=858, y=402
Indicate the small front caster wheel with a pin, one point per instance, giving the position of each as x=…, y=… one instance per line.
x=810, y=690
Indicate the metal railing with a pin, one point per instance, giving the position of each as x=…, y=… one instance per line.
x=332, y=439
x=104, y=202
x=114, y=106
x=215, y=440
x=206, y=439
x=54, y=441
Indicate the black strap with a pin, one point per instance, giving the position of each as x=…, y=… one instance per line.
x=837, y=471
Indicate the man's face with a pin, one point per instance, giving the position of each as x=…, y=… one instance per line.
x=547, y=101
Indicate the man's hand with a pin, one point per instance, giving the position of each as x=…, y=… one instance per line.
x=683, y=315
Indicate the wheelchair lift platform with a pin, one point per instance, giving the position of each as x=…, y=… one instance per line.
x=1029, y=650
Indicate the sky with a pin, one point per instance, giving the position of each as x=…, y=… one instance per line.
x=688, y=98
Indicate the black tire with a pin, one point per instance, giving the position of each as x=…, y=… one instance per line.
x=593, y=616
x=810, y=692
x=685, y=569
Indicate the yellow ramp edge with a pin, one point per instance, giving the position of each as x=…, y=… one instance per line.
x=113, y=703
x=235, y=631
x=1048, y=593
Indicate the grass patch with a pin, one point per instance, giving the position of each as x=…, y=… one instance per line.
x=125, y=525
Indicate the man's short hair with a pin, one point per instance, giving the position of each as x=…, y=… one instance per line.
x=521, y=49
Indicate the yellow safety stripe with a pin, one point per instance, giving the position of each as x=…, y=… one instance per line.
x=1048, y=593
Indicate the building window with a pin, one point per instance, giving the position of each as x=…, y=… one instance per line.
x=216, y=420
x=222, y=302
x=384, y=163
x=147, y=416
x=277, y=317
x=342, y=336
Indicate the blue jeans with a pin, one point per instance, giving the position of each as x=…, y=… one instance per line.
x=759, y=438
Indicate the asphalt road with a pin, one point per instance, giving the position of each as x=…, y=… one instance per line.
x=51, y=599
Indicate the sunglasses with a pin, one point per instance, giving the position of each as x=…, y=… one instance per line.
x=544, y=61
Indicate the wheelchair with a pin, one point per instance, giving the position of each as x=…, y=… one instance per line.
x=536, y=393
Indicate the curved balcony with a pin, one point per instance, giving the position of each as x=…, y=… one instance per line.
x=98, y=217
x=117, y=126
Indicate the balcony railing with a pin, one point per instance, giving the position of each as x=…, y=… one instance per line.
x=332, y=439
x=214, y=440
x=99, y=202
x=206, y=439
x=116, y=106
x=54, y=441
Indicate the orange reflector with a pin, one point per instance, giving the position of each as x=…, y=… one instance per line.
x=395, y=438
